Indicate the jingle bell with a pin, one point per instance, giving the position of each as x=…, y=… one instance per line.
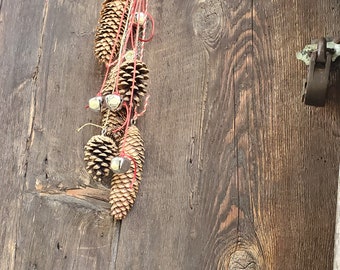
x=140, y=18
x=130, y=55
x=95, y=103
x=113, y=102
x=120, y=164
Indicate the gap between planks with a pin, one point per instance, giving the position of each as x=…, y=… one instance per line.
x=337, y=231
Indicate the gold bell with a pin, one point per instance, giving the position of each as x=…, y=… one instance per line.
x=113, y=101
x=120, y=164
x=95, y=103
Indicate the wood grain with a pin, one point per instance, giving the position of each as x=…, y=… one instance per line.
x=239, y=173
x=47, y=74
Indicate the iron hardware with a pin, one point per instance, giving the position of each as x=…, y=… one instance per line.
x=319, y=56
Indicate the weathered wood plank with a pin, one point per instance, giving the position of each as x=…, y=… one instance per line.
x=157, y=233
x=240, y=174
x=48, y=72
x=303, y=144
x=18, y=63
x=209, y=221
x=68, y=76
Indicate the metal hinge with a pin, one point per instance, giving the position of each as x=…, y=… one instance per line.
x=319, y=56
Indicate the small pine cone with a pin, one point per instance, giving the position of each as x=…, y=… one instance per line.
x=113, y=120
x=125, y=81
x=122, y=197
x=107, y=29
x=99, y=152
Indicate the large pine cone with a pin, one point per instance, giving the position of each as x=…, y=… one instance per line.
x=111, y=121
x=122, y=197
x=107, y=29
x=125, y=81
x=99, y=152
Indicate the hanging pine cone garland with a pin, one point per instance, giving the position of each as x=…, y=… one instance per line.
x=120, y=36
x=122, y=197
x=125, y=81
x=99, y=151
x=113, y=120
x=107, y=29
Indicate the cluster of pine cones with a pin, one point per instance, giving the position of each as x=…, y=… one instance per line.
x=115, y=140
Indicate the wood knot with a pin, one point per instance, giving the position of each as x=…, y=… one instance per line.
x=242, y=260
x=246, y=254
x=208, y=21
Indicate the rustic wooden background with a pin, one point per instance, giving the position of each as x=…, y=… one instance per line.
x=239, y=173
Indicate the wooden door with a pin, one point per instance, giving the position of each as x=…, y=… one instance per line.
x=239, y=173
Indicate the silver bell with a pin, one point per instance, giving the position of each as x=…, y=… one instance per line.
x=140, y=18
x=113, y=101
x=95, y=103
x=130, y=55
x=120, y=164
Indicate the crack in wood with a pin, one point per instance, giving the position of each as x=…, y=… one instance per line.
x=201, y=126
x=41, y=44
x=45, y=167
x=237, y=164
x=77, y=197
x=89, y=194
x=22, y=85
x=191, y=200
x=115, y=243
x=83, y=33
x=30, y=132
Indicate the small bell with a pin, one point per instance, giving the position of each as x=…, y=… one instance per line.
x=130, y=56
x=120, y=164
x=140, y=18
x=95, y=103
x=113, y=101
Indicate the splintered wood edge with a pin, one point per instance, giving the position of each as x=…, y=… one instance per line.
x=88, y=192
x=95, y=198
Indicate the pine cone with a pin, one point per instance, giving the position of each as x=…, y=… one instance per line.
x=99, y=151
x=107, y=29
x=125, y=81
x=122, y=197
x=111, y=121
